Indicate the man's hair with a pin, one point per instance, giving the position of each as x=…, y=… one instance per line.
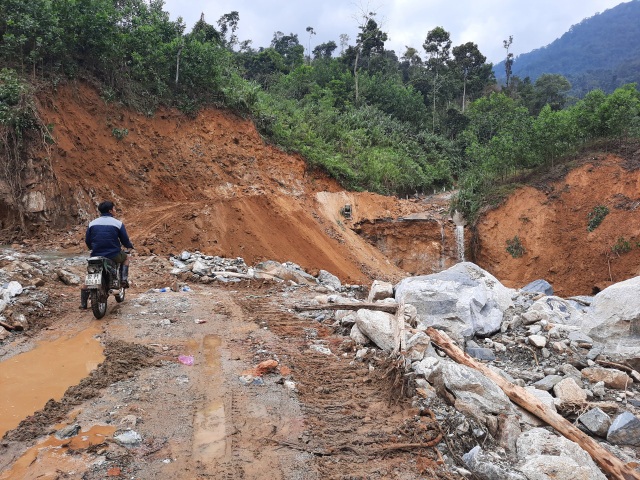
x=104, y=207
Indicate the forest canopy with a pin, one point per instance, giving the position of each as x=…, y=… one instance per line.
x=432, y=118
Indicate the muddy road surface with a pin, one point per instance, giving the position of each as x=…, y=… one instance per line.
x=222, y=381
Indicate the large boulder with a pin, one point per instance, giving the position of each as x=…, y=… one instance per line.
x=463, y=300
x=380, y=327
x=614, y=318
x=468, y=389
x=547, y=456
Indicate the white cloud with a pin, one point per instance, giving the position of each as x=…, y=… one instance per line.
x=407, y=22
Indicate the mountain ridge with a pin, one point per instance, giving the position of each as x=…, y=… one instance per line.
x=598, y=52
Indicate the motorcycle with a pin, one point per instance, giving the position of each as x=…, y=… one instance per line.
x=103, y=279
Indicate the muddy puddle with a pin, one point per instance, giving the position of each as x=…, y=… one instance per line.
x=210, y=434
x=52, y=456
x=30, y=379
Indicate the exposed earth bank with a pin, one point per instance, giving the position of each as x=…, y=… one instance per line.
x=212, y=184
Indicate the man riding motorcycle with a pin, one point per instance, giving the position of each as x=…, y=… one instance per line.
x=105, y=237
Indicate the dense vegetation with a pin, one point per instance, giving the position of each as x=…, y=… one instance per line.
x=599, y=52
x=430, y=119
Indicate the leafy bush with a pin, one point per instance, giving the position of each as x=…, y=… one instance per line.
x=621, y=246
x=120, y=133
x=515, y=247
x=596, y=216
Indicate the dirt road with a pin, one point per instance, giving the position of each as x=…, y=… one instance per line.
x=305, y=414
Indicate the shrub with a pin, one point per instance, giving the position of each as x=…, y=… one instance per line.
x=621, y=246
x=515, y=247
x=596, y=216
x=120, y=133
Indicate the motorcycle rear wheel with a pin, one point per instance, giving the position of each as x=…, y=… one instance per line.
x=98, y=304
x=120, y=296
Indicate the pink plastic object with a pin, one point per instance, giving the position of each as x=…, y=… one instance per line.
x=186, y=359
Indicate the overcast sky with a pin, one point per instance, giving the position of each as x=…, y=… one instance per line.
x=533, y=23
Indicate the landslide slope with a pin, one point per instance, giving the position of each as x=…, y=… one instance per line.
x=550, y=219
x=208, y=183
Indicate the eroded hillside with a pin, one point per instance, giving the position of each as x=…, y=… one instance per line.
x=552, y=224
x=211, y=183
x=208, y=183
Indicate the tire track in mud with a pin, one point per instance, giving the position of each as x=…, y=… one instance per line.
x=254, y=414
x=351, y=427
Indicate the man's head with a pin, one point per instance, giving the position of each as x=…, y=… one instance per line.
x=105, y=207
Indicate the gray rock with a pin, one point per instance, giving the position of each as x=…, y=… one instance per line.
x=200, y=268
x=614, y=319
x=552, y=310
x=329, y=280
x=68, y=278
x=580, y=337
x=486, y=466
x=470, y=387
x=547, y=383
x=538, y=286
x=538, y=341
x=463, y=300
x=567, y=391
x=484, y=354
x=358, y=337
x=380, y=327
x=68, y=431
x=625, y=430
x=596, y=421
x=380, y=290
x=14, y=289
x=128, y=438
x=547, y=456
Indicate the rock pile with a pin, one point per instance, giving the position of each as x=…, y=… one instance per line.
x=21, y=295
x=579, y=356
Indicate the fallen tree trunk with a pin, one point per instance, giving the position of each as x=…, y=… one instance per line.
x=381, y=307
x=610, y=464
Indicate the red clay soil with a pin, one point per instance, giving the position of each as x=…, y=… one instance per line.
x=210, y=183
x=552, y=228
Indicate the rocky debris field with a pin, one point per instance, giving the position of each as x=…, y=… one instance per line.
x=216, y=369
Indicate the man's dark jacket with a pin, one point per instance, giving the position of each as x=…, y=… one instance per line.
x=104, y=236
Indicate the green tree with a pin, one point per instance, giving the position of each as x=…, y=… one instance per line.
x=549, y=89
x=264, y=67
x=311, y=32
x=31, y=34
x=620, y=112
x=498, y=136
x=587, y=118
x=324, y=50
x=205, y=32
x=437, y=46
x=508, y=62
x=554, y=134
x=289, y=48
x=228, y=25
x=370, y=41
x=468, y=60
